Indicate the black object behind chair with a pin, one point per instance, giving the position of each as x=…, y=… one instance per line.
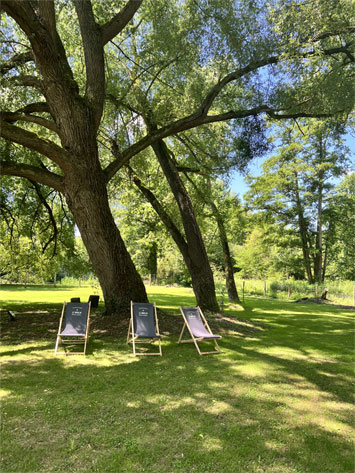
x=94, y=301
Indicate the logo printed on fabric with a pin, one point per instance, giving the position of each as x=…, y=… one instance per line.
x=143, y=312
x=77, y=311
x=192, y=315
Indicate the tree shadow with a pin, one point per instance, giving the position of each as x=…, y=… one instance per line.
x=178, y=413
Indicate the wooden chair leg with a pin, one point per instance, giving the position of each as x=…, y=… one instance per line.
x=129, y=329
x=134, y=345
x=56, y=346
x=182, y=331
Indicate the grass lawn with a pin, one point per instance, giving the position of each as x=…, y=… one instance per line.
x=277, y=400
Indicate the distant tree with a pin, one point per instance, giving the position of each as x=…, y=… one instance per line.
x=296, y=183
x=341, y=230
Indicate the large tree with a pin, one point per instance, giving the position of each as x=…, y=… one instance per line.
x=56, y=111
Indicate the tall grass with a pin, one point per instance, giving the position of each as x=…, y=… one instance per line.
x=70, y=281
x=340, y=292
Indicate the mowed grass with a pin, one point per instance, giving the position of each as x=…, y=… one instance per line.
x=278, y=400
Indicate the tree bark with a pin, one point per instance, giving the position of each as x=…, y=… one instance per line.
x=152, y=262
x=171, y=227
x=198, y=264
x=228, y=264
x=318, y=258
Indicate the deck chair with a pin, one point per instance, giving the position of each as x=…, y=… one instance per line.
x=199, y=329
x=143, y=325
x=74, y=326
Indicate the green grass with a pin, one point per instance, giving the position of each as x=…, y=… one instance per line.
x=278, y=400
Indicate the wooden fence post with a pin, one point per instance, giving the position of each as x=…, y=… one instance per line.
x=243, y=290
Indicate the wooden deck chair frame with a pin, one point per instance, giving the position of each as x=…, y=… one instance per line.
x=76, y=341
x=196, y=340
x=131, y=338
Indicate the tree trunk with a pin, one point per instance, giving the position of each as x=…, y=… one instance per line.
x=302, y=228
x=86, y=195
x=199, y=267
x=175, y=234
x=318, y=259
x=152, y=262
x=228, y=264
x=319, y=241
x=326, y=249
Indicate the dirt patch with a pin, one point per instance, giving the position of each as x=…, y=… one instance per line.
x=30, y=326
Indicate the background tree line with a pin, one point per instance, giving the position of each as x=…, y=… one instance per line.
x=263, y=231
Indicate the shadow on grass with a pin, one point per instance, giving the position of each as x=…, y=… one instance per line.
x=179, y=413
x=278, y=401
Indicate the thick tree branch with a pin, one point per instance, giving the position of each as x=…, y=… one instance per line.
x=113, y=27
x=23, y=13
x=213, y=93
x=15, y=61
x=47, y=13
x=183, y=124
x=12, y=117
x=32, y=173
x=36, y=107
x=94, y=56
x=195, y=120
x=32, y=141
x=38, y=22
x=23, y=80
